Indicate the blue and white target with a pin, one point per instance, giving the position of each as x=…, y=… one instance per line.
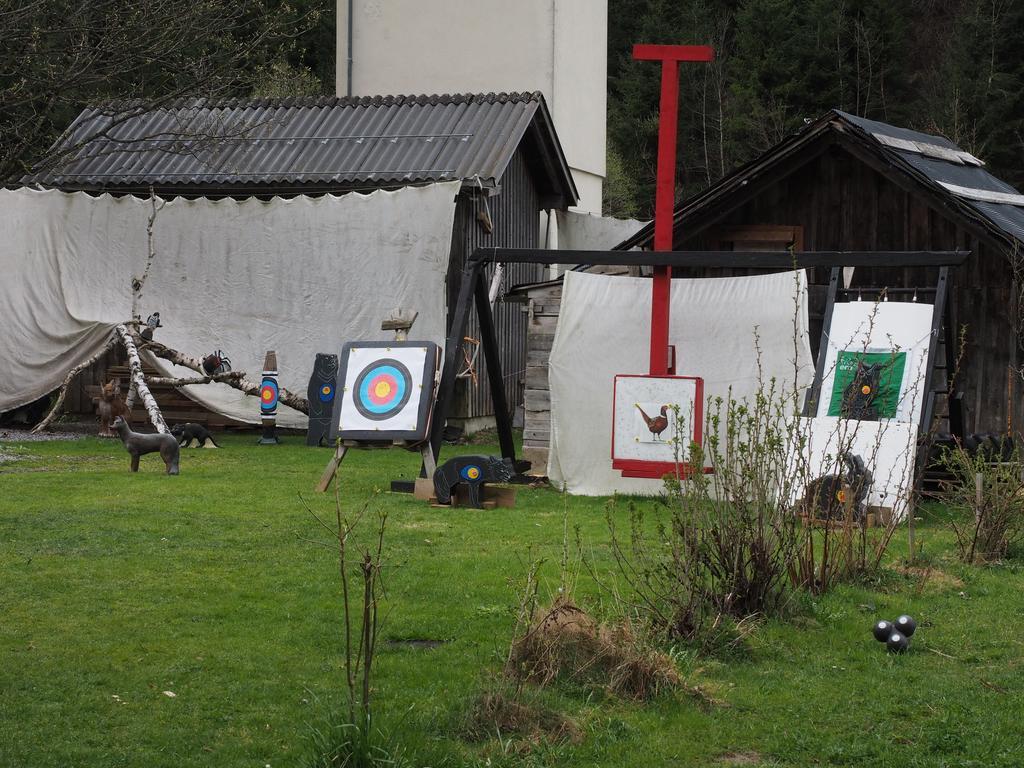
x=382, y=389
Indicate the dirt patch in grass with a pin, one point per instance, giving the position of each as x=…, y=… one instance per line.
x=567, y=641
x=740, y=758
x=929, y=577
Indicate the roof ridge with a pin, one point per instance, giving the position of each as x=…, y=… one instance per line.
x=312, y=102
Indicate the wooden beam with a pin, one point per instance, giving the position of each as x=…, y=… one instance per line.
x=453, y=355
x=780, y=260
x=489, y=342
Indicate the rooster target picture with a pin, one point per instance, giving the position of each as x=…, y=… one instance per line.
x=648, y=413
x=385, y=390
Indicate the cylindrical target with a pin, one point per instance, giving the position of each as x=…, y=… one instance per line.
x=268, y=396
x=382, y=389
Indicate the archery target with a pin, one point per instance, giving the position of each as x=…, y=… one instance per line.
x=326, y=393
x=385, y=390
x=268, y=395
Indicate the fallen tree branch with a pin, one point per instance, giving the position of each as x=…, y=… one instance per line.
x=139, y=381
x=224, y=378
x=235, y=379
x=67, y=382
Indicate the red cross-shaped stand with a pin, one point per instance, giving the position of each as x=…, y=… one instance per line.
x=662, y=362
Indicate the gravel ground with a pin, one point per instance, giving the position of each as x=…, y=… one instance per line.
x=11, y=435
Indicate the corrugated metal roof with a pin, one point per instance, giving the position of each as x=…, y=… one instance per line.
x=340, y=143
x=1008, y=218
x=933, y=160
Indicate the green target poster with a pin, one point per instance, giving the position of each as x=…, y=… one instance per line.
x=867, y=385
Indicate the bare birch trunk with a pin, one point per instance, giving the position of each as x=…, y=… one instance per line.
x=234, y=379
x=139, y=381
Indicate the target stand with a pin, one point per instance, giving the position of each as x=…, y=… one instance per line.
x=655, y=421
x=385, y=391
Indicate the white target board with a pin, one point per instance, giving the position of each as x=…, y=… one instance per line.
x=386, y=390
x=648, y=411
x=888, y=449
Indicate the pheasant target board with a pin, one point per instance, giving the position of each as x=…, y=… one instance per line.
x=385, y=390
x=647, y=416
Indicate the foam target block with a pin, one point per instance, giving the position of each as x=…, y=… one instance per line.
x=320, y=395
x=472, y=472
x=384, y=391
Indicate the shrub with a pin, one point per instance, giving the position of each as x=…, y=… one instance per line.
x=991, y=496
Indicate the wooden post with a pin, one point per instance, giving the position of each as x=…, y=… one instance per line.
x=269, y=395
x=489, y=341
x=848, y=525
x=332, y=467
x=453, y=355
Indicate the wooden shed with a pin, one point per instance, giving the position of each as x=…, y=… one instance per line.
x=845, y=183
x=503, y=147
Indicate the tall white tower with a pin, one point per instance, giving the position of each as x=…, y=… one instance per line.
x=558, y=47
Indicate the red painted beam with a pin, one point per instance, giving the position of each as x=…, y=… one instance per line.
x=664, y=199
x=648, y=52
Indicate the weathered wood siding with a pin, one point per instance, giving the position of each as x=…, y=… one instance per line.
x=515, y=214
x=541, y=310
x=843, y=203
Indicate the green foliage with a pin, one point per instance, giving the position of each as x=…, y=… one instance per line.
x=951, y=68
x=60, y=56
x=990, y=497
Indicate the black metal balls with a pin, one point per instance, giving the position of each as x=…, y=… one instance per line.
x=882, y=630
x=897, y=643
x=895, y=634
x=905, y=625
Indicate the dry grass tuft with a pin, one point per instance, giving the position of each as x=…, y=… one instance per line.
x=495, y=713
x=567, y=642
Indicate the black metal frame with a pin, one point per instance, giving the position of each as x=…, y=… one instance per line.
x=473, y=289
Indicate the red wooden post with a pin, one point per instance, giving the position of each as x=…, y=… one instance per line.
x=664, y=200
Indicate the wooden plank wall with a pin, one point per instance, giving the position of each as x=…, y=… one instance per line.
x=542, y=308
x=844, y=204
x=515, y=213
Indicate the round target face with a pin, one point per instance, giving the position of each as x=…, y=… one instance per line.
x=326, y=393
x=470, y=473
x=268, y=395
x=382, y=389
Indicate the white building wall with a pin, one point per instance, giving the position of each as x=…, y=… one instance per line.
x=558, y=47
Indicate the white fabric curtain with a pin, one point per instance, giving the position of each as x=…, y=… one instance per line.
x=604, y=329
x=587, y=232
x=299, y=276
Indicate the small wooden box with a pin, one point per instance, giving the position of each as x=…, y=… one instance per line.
x=493, y=496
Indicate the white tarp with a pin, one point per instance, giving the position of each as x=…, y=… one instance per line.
x=299, y=276
x=604, y=329
x=587, y=232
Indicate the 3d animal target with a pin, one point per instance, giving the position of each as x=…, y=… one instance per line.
x=385, y=390
x=648, y=414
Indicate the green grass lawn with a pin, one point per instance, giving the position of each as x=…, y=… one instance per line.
x=115, y=588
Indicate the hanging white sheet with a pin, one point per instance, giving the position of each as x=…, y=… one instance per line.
x=587, y=232
x=716, y=325
x=299, y=276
